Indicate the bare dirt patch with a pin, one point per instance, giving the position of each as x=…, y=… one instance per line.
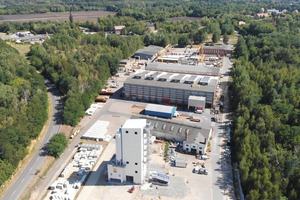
x=22, y=48
x=66, y=130
x=81, y=16
x=137, y=109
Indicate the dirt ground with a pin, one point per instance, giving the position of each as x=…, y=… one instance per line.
x=81, y=16
x=22, y=48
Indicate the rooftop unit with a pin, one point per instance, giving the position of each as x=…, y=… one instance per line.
x=205, y=80
x=191, y=79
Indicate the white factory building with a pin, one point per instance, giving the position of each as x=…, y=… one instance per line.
x=132, y=152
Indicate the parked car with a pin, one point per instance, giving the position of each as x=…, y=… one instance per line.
x=204, y=157
x=203, y=171
x=199, y=111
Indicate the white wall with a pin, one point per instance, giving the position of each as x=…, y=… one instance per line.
x=115, y=172
x=132, y=140
x=118, y=146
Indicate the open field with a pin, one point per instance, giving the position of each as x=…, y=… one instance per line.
x=81, y=16
x=22, y=48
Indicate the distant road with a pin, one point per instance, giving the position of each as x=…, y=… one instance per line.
x=81, y=16
x=27, y=175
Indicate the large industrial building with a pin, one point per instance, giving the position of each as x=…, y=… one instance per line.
x=132, y=153
x=194, y=137
x=174, y=88
x=200, y=69
x=149, y=52
x=222, y=50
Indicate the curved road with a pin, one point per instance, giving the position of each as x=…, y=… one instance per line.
x=27, y=175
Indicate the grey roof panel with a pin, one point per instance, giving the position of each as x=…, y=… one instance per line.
x=186, y=69
x=150, y=50
x=179, y=85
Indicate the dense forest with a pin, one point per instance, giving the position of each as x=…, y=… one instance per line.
x=80, y=64
x=23, y=108
x=266, y=102
x=153, y=10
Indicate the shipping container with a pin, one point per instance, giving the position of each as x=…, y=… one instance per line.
x=160, y=110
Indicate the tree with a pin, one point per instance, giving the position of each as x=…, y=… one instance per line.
x=216, y=37
x=225, y=39
x=183, y=41
x=71, y=18
x=57, y=145
x=241, y=48
x=200, y=36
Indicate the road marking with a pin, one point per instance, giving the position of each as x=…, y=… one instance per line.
x=22, y=180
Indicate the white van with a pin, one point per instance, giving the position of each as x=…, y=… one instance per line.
x=199, y=111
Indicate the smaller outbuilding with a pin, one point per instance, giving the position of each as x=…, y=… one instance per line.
x=160, y=110
x=180, y=162
x=118, y=29
x=196, y=102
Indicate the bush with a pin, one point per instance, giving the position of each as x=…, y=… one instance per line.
x=57, y=145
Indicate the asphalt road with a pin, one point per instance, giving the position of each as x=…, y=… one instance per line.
x=60, y=164
x=222, y=179
x=36, y=162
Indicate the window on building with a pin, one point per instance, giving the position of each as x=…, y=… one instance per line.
x=187, y=149
x=127, y=162
x=135, y=133
x=126, y=131
x=111, y=174
x=200, y=147
x=119, y=175
x=136, y=163
x=136, y=172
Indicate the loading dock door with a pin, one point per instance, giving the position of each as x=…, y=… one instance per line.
x=129, y=179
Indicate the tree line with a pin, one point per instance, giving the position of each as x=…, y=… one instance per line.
x=23, y=108
x=266, y=104
x=79, y=65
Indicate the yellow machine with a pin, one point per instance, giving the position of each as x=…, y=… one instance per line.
x=161, y=53
x=200, y=52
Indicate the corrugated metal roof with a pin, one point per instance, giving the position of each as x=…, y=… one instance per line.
x=171, y=84
x=196, y=134
x=185, y=69
x=159, y=108
x=224, y=46
x=150, y=50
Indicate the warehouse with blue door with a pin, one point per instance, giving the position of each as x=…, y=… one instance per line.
x=160, y=110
